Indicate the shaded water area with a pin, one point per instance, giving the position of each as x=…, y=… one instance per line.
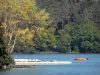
x=88, y=67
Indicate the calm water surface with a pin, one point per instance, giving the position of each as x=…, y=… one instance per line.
x=89, y=67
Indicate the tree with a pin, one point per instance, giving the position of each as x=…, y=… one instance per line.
x=75, y=22
x=44, y=40
x=31, y=20
x=60, y=25
x=5, y=58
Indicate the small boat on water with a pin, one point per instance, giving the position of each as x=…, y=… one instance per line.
x=81, y=59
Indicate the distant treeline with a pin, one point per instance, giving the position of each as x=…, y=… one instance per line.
x=62, y=26
x=74, y=27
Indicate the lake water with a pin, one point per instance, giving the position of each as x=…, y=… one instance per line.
x=88, y=67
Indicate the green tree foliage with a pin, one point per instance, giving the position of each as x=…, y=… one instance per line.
x=63, y=26
x=76, y=23
x=71, y=25
x=33, y=34
x=44, y=40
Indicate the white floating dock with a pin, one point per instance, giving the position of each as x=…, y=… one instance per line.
x=44, y=63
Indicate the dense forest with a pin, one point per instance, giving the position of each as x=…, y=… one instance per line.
x=63, y=26
x=76, y=23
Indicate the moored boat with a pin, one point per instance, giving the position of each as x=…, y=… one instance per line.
x=81, y=59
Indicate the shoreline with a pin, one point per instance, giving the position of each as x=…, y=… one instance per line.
x=55, y=53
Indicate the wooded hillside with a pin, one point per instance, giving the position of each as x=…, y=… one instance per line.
x=64, y=26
